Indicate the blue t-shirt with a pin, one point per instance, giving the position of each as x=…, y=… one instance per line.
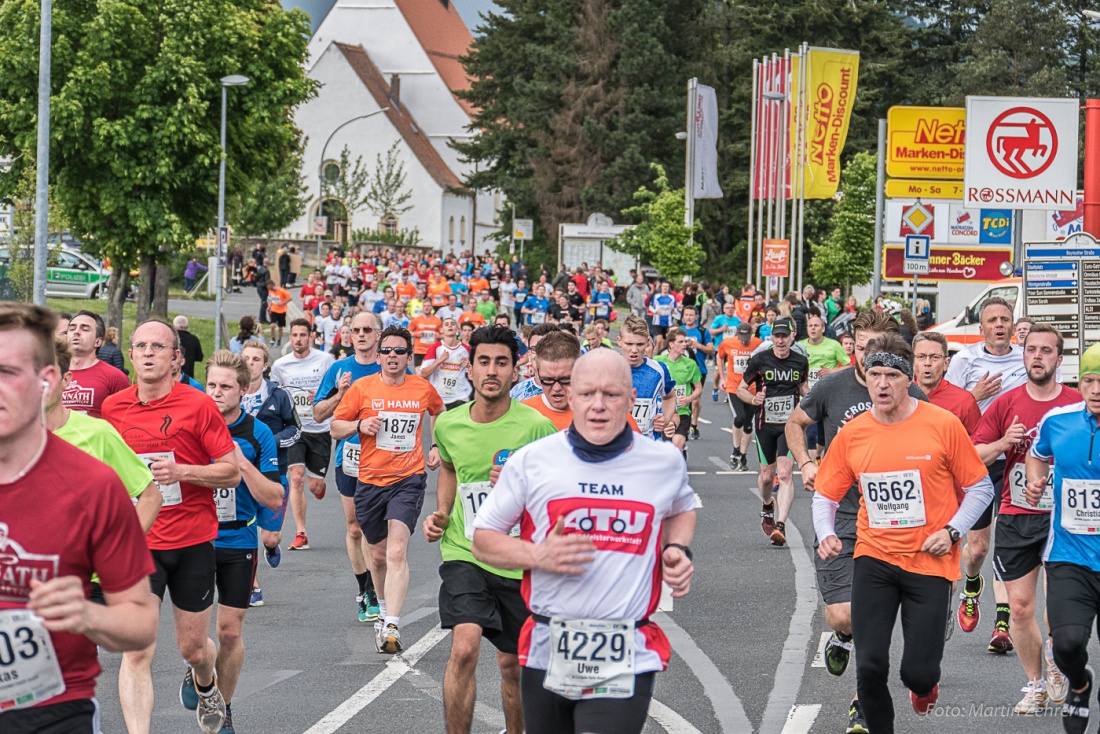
x=458, y=288
x=703, y=337
x=602, y=302
x=729, y=321
x=520, y=296
x=540, y=305
x=327, y=388
x=1062, y=434
x=663, y=308
x=258, y=446
x=379, y=306
x=652, y=383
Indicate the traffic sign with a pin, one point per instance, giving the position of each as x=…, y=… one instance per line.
x=1021, y=152
x=904, y=188
x=523, y=229
x=918, y=248
x=925, y=142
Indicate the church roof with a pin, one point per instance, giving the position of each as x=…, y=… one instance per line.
x=444, y=37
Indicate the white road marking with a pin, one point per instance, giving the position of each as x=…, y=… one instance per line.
x=801, y=719
x=671, y=721
x=664, y=604
x=704, y=421
x=727, y=430
x=819, y=658
x=394, y=670
x=727, y=706
x=698, y=500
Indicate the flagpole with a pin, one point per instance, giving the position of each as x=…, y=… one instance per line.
x=752, y=172
x=784, y=142
x=804, y=101
x=762, y=165
x=689, y=161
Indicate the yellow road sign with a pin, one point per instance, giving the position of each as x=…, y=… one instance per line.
x=901, y=188
x=925, y=142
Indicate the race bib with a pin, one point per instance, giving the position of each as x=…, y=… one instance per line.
x=172, y=494
x=778, y=410
x=814, y=376
x=303, y=403
x=643, y=412
x=472, y=495
x=602, y=310
x=349, y=459
x=29, y=670
x=740, y=362
x=399, y=431
x=894, y=499
x=591, y=658
x=664, y=310
x=494, y=284
x=538, y=317
x=447, y=386
x=681, y=392
x=1081, y=506
x=1017, y=486
x=226, y=501
x=427, y=337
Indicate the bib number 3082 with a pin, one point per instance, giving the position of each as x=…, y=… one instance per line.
x=591, y=658
x=29, y=671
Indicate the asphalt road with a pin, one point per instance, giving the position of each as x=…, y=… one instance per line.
x=744, y=642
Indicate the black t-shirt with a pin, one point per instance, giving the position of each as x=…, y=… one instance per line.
x=558, y=313
x=781, y=380
x=576, y=300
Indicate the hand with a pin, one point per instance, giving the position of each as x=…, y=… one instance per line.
x=659, y=423
x=829, y=548
x=670, y=429
x=494, y=474
x=938, y=543
x=722, y=384
x=343, y=384
x=809, y=475
x=1034, y=491
x=61, y=604
x=678, y=570
x=1015, y=433
x=435, y=524
x=987, y=387
x=758, y=399
x=370, y=426
x=681, y=402
x=564, y=554
x=165, y=471
x=433, y=458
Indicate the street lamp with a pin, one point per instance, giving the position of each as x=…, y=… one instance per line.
x=321, y=171
x=234, y=80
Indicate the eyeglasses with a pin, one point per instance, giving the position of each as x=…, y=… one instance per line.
x=399, y=351
x=362, y=330
x=156, y=347
x=548, y=382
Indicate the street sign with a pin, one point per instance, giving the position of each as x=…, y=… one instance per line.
x=1021, y=152
x=320, y=226
x=523, y=229
x=1076, y=245
x=223, y=242
x=902, y=188
x=925, y=142
x=918, y=249
x=777, y=258
x=950, y=264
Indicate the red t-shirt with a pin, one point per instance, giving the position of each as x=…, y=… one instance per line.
x=308, y=290
x=90, y=387
x=1017, y=403
x=187, y=423
x=69, y=516
x=582, y=285
x=958, y=401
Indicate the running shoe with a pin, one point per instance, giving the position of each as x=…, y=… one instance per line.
x=361, y=602
x=211, y=711
x=372, y=606
x=694, y=434
x=924, y=704
x=744, y=463
x=189, y=696
x=227, y=727
x=838, y=651
x=300, y=542
x=274, y=555
x=856, y=724
x=779, y=535
x=1075, y=712
x=390, y=639
x=257, y=598
x=735, y=462
x=1001, y=642
x=378, y=635
x=767, y=519
x=714, y=395
x=1034, y=700
x=969, y=613
x=1057, y=683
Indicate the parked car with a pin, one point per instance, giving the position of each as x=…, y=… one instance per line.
x=73, y=275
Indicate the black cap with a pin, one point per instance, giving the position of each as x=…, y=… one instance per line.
x=744, y=328
x=782, y=326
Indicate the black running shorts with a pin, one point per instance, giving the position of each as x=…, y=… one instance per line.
x=546, y=712
x=1073, y=595
x=683, y=426
x=471, y=595
x=744, y=414
x=67, y=717
x=235, y=568
x=375, y=506
x=771, y=442
x=188, y=574
x=1018, y=546
x=314, y=450
x=834, y=576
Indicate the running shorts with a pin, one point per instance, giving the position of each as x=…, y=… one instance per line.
x=455, y=404
x=314, y=450
x=471, y=595
x=834, y=576
x=546, y=712
x=188, y=574
x=683, y=426
x=235, y=568
x=771, y=443
x=345, y=485
x=375, y=506
x=1018, y=546
x=68, y=717
x=997, y=474
x=278, y=319
x=744, y=414
x=1073, y=595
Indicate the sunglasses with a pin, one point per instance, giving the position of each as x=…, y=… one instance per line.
x=548, y=383
x=399, y=351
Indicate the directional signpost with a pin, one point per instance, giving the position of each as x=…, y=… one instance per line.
x=918, y=249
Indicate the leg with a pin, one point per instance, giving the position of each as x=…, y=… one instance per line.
x=876, y=598
x=923, y=618
x=509, y=692
x=977, y=547
x=353, y=537
x=378, y=570
x=764, y=482
x=297, y=474
x=317, y=488
x=1025, y=627
x=195, y=645
x=230, y=660
x=135, y=689
x=397, y=569
x=1071, y=607
x=460, y=680
x=785, y=465
x=839, y=617
x=544, y=712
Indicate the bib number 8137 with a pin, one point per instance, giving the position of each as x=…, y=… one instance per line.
x=1083, y=499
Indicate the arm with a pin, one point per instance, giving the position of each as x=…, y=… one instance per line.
x=1038, y=474
x=323, y=409
x=148, y=505
x=222, y=472
x=668, y=407
x=292, y=425
x=432, y=454
x=677, y=567
x=824, y=512
x=695, y=392
x=428, y=367
x=445, y=490
x=264, y=489
x=128, y=622
x=795, y=431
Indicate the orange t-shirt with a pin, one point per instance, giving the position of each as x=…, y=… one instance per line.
x=405, y=289
x=396, y=451
x=478, y=285
x=562, y=418
x=932, y=444
x=473, y=317
x=737, y=356
x=277, y=300
x=425, y=331
x=439, y=290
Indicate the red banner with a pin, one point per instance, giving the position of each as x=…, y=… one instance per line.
x=777, y=256
x=949, y=263
x=772, y=165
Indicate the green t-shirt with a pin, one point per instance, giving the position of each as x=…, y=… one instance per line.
x=829, y=353
x=686, y=374
x=473, y=448
x=488, y=309
x=99, y=439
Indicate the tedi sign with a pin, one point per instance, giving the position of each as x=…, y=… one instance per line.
x=1021, y=153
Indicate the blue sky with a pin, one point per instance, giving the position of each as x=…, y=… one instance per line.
x=468, y=9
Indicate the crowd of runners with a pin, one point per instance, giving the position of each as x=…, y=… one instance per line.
x=562, y=491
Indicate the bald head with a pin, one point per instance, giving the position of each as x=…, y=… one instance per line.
x=601, y=395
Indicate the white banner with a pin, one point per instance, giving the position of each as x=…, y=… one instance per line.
x=705, y=185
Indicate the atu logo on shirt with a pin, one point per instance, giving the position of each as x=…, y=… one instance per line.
x=614, y=525
x=18, y=567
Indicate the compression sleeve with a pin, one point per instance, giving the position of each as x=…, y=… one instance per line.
x=824, y=510
x=978, y=496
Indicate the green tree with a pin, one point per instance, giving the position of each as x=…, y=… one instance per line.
x=20, y=243
x=847, y=254
x=270, y=204
x=660, y=238
x=386, y=192
x=135, y=109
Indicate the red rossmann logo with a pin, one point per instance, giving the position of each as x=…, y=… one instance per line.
x=615, y=525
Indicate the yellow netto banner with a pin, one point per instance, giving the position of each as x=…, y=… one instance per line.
x=831, y=77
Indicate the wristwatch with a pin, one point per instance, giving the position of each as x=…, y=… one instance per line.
x=953, y=533
x=683, y=548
